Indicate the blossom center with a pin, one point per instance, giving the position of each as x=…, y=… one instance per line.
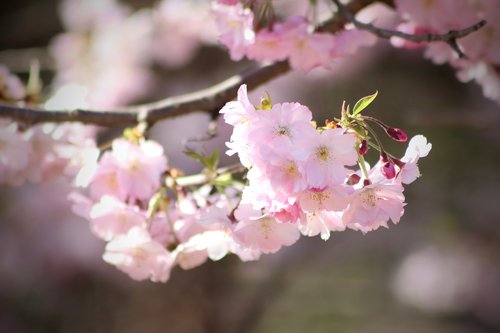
x=319, y=197
x=370, y=198
x=291, y=170
x=283, y=131
x=322, y=153
x=266, y=226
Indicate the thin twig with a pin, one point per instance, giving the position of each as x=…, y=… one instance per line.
x=450, y=37
x=208, y=100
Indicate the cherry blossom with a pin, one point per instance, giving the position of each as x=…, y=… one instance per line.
x=417, y=147
x=136, y=254
x=263, y=232
x=373, y=205
x=329, y=153
x=111, y=217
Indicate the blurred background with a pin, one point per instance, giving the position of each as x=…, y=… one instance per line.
x=438, y=270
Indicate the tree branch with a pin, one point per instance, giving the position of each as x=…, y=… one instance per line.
x=450, y=37
x=210, y=100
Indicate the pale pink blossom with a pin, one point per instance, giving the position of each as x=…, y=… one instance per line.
x=348, y=42
x=417, y=147
x=268, y=46
x=138, y=255
x=106, y=48
x=286, y=124
x=288, y=212
x=105, y=179
x=130, y=170
x=285, y=172
x=334, y=198
x=141, y=166
x=305, y=50
x=240, y=111
x=329, y=152
x=235, y=24
x=161, y=229
x=441, y=15
x=321, y=223
x=111, y=217
x=373, y=205
x=263, y=232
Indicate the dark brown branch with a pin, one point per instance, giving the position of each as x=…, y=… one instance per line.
x=450, y=37
x=208, y=100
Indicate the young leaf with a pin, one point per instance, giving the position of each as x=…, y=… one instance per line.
x=196, y=156
x=212, y=161
x=363, y=103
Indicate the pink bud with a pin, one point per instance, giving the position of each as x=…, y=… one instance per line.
x=388, y=170
x=397, y=134
x=353, y=179
x=363, y=147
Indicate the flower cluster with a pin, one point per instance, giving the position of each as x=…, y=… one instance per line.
x=481, y=48
x=108, y=44
x=299, y=181
x=42, y=152
x=293, y=38
x=152, y=223
x=300, y=174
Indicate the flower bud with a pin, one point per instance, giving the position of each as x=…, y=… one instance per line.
x=363, y=147
x=353, y=179
x=396, y=134
x=388, y=169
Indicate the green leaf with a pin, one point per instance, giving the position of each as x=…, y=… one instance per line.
x=363, y=103
x=265, y=102
x=196, y=156
x=212, y=161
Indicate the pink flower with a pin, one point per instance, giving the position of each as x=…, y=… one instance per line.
x=290, y=213
x=235, y=25
x=111, y=217
x=321, y=222
x=130, y=170
x=285, y=124
x=238, y=112
x=105, y=179
x=348, y=42
x=136, y=254
x=329, y=153
x=263, y=232
x=373, y=205
x=305, y=50
x=442, y=15
x=268, y=46
x=141, y=167
x=418, y=147
x=333, y=198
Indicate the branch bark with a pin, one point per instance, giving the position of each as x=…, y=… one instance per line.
x=210, y=100
x=450, y=37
